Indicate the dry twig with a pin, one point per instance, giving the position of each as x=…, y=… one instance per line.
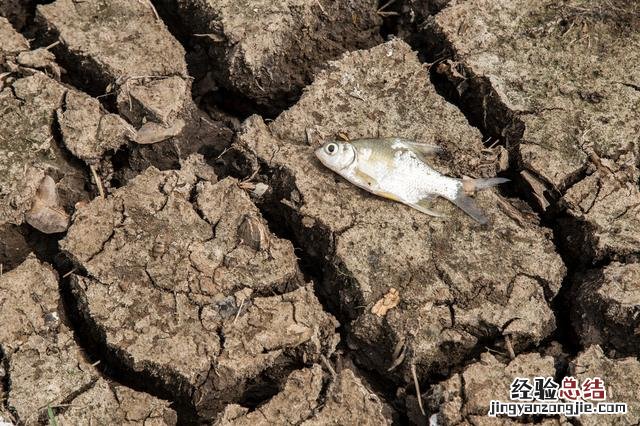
x=417, y=385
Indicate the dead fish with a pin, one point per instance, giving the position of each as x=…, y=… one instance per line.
x=396, y=169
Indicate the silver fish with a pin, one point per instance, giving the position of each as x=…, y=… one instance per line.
x=397, y=169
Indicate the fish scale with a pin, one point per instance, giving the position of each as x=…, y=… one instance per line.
x=408, y=178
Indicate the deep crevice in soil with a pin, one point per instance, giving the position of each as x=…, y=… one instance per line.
x=46, y=249
x=211, y=93
x=93, y=343
x=316, y=267
x=475, y=97
x=5, y=385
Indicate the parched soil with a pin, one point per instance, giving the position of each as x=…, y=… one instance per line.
x=172, y=252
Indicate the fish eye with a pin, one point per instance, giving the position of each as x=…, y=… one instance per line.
x=332, y=148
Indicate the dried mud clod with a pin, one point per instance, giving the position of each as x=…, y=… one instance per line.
x=45, y=368
x=605, y=308
x=13, y=43
x=34, y=165
x=268, y=51
x=88, y=131
x=568, y=109
x=172, y=292
x=122, y=52
x=45, y=124
x=621, y=378
x=307, y=400
x=465, y=397
x=460, y=285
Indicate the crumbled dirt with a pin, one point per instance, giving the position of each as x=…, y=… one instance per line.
x=122, y=52
x=268, y=51
x=31, y=151
x=621, y=378
x=464, y=398
x=225, y=311
x=179, y=296
x=46, y=368
x=570, y=101
x=460, y=285
x=605, y=311
x=307, y=399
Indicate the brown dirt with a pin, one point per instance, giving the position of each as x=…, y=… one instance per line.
x=605, y=310
x=306, y=401
x=194, y=282
x=46, y=368
x=622, y=376
x=465, y=396
x=268, y=51
x=443, y=270
x=572, y=97
x=166, y=257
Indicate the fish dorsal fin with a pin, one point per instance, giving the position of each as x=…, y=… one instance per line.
x=418, y=148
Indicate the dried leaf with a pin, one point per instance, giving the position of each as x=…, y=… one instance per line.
x=46, y=215
x=253, y=233
x=388, y=301
x=153, y=132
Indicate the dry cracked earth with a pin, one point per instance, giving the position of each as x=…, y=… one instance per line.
x=171, y=252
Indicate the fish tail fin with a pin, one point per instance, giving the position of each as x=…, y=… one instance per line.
x=469, y=206
x=473, y=185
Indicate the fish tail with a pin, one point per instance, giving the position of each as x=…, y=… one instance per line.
x=473, y=185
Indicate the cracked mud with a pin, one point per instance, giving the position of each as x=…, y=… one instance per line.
x=172, y=252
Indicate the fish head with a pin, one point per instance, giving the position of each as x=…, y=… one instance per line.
x=336, y=155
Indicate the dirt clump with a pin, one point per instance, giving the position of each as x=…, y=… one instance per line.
x=307, y=399
x=266, y=51
x=44, y=367
x=460, y=285
x=118, y=40
x=621, y=379
x=569, y=107
x=31, y=155
x=604, y=312
x=225, y=312
x=12, y=42
x=465, y=397
x=88, y=130
x=122, y=52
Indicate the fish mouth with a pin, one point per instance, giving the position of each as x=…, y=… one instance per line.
x=319, y=156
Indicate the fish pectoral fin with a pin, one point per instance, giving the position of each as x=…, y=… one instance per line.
x=424, y=206
x=367, y=180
